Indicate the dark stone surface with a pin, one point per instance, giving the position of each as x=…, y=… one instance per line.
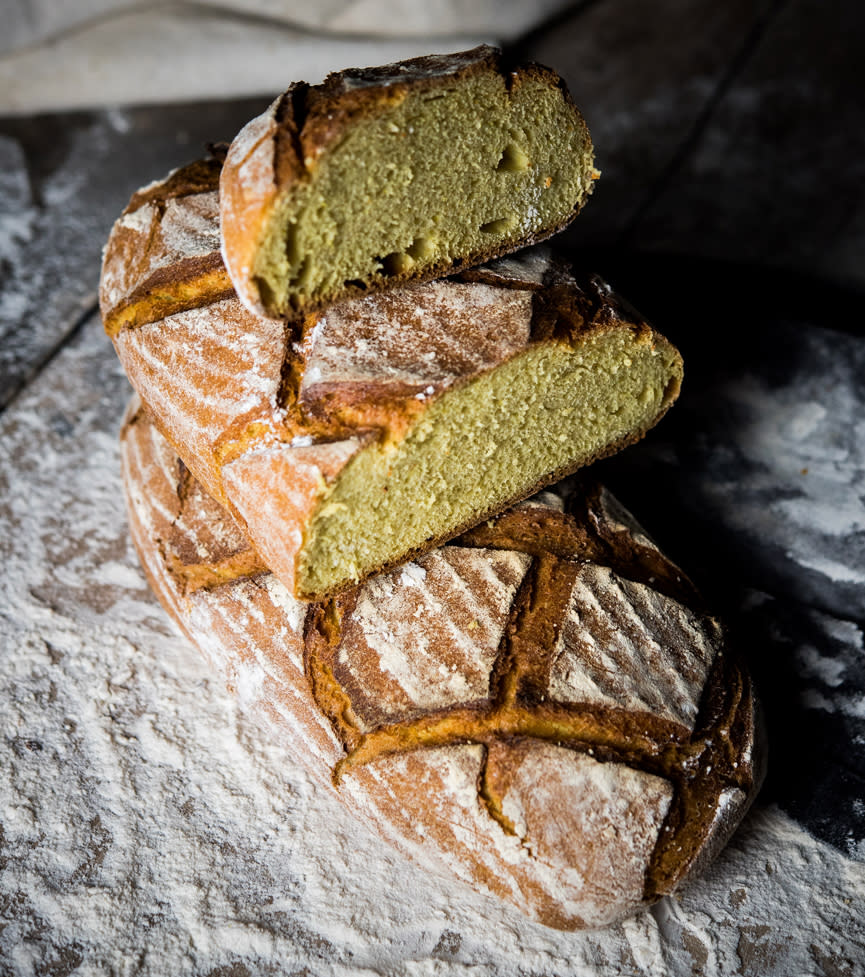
x=775, y=173
x=643, y=75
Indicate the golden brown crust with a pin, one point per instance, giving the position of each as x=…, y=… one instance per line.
x=187, y=284
x=281, y=146
x=163, y=256
x=200, y=545
x=522, y=708
x=586, y=532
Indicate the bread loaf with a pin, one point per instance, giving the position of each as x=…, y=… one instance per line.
x=541, y=709
x=384, y=425
x=402, y=173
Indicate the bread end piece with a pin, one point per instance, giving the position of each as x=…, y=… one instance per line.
x=402, y=173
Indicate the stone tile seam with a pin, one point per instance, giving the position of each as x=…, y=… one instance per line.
x=22, y=383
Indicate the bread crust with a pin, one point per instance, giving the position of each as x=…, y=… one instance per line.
x=163, y=253
x=542, y=709
x=281, y=147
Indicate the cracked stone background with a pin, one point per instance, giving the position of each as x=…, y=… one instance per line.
x=149, y=823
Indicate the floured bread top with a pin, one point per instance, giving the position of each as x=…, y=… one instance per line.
x=162, y=255
x=542, y=707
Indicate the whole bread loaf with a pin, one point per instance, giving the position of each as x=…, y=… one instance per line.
x=406, y=172
x=382, y=426
x=541, y=709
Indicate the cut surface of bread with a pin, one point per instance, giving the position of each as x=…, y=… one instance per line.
x=542, y=708
x=545, y=411
x=406, y=172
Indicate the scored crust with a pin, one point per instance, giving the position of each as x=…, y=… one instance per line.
x=541, y=709
x=269, y=417
x=284, y=147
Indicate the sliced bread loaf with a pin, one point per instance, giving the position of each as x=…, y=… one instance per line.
x=541, y=709
x=378, y=428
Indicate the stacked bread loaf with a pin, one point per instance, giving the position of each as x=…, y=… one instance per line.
x=349, y=380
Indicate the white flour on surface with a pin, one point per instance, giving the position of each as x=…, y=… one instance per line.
x=819, y=446
x=150, y=825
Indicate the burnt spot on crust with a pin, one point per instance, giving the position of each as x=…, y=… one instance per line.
x=290, y=115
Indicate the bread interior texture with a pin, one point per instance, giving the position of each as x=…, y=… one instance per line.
x=480, y=446
x=441, y=175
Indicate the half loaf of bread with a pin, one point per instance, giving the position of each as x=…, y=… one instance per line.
x=402, y=173
x=384, y=425
x=541, y=708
